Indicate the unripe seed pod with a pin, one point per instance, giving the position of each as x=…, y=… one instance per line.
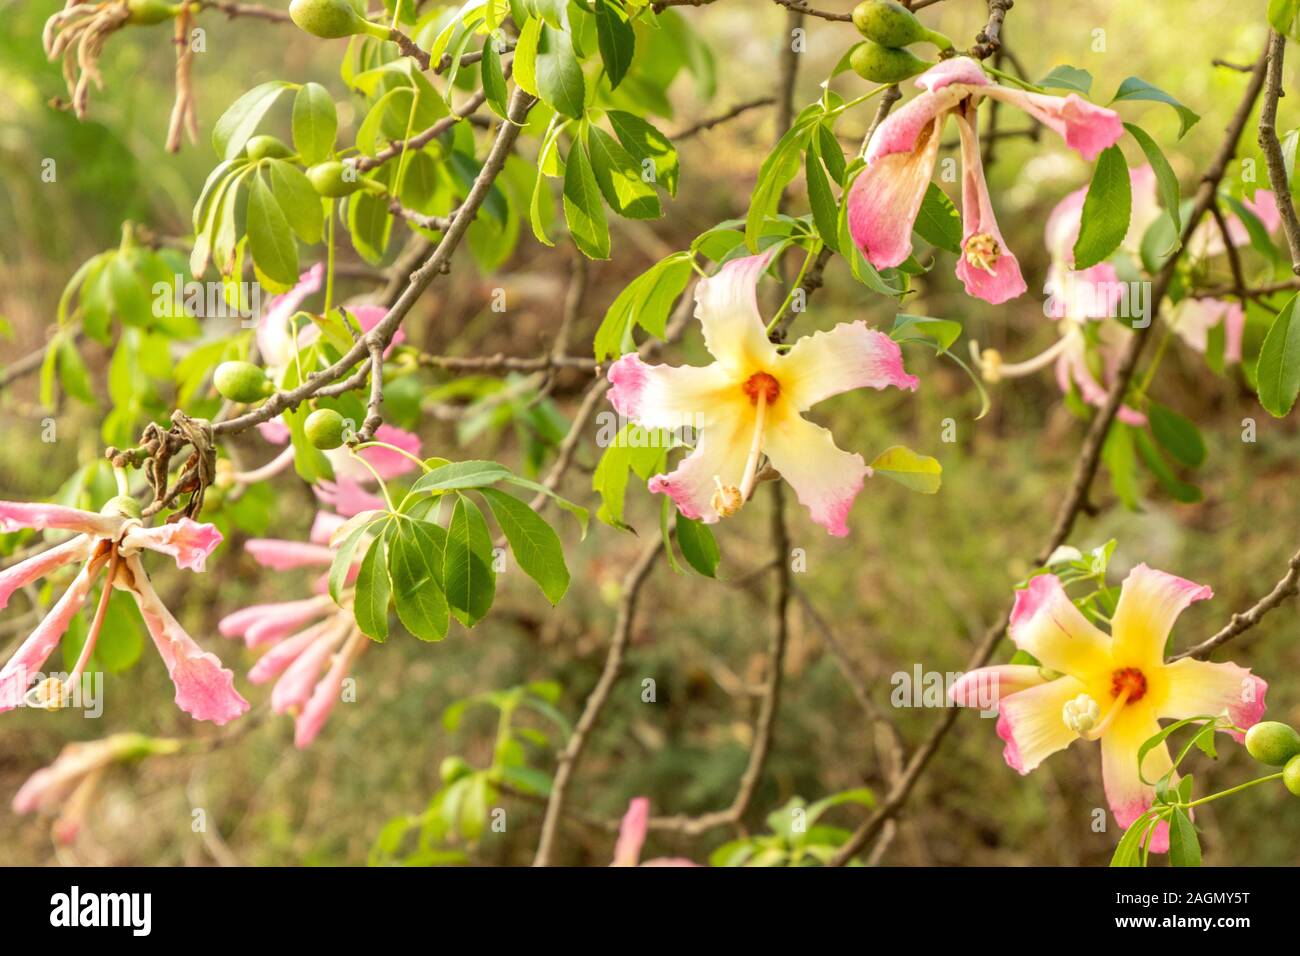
x=241, y=382
x=331, y=19
x=1291, y=775
x=453, y=768
x=146, y=13
x=893, y=25
x=324, y=428
x=123, y=506
x=882, y=64
x=1272, y=742
x=329, y=179
x=266, y=147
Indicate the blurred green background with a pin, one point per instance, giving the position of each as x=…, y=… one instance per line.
x=916, y=582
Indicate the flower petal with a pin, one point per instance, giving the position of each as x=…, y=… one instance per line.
x=294, y=689
x=985, y=687
x=275, y=344
x=326, y=694
x=726, y=304
x=189, y=542
x=324, y=525
x=886, y=196
x=266, y=623
x=15, y=515
x=275, y=431
x=285, y=555
x=1193, y=318
x=849, y=356
x=347, y=497
x=1045, y=623
x=664, y=396
x=31, y=655
x=631, y=833
x=273, y=663
x=903, y=129
x=1085, y=127
x=1149, y=603
x=39, y=565
x=1031, y=724
x=1201, y=687
x=385, y=461
x=1004, y=281
x=1127, y=795
x=825, y=478
x=720, y=451
x=204, y=688
x=959, y=69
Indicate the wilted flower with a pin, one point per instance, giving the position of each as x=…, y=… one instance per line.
x=113, y=540
x=308, y=636
x=885, y=199
x=750, y=401
x=1114, y=687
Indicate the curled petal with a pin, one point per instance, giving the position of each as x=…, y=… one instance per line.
x=285, y=555
x=189, y=542
x=33, y=652
x=849, y=356
x=275, y=342
x=986, y=687
x=1030, y=723
x=1046, y=624
x=958, y=69
x=720, y=452
x=825, y=478
x=39, y=565
x=664, y=396
x=1085, y=127
x=1149, y=603
x=997, y=279
x=903, y=129
x=16, y=515
x=886, y=196
x=1127, y=795
x=204, y=688
x=1201, y=687
x=726, y=304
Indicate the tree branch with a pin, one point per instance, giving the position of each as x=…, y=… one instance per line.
x=1268, y=142
x=1289, y=586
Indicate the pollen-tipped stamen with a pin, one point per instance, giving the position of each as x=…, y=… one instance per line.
x=983, y=251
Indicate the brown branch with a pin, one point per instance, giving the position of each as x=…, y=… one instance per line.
x=731, y=114
x=1238, y=624
x=799, y=6
x=419, y=140
x=1253, y=292
x=989, y=40
x=1234, y=258
x=244, y=10
x=1268, y=142
x=408, y=47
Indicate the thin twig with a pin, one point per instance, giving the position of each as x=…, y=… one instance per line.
x=1238, y=624
x=703, y=125
x=1268, y=142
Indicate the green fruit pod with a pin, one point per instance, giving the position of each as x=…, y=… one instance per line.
x=241, y=382
x=324, y=428
x=882, y=64
x=1272, y=742
x=893, y=25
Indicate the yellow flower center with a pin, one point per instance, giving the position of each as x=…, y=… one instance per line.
x=983, y=252
x=763, y=385
x=1128, y=679
x=762, y=389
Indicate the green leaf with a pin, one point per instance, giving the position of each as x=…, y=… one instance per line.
x=1134, y=88
x=344, y=556
x=1184, y=846
x=698, y=546
x=944, y=332
x=467, y=564
x=1105, y=210
x=370, y=604
x=939, y=222
x=1166, y=181
x=651, y=148
x=534, y=544
x=825, y=210
x=1068, y=78
x=1178, y=489
x=830, y=151
x=1117, y=452
x=274, y=251
x=583, y=210
x=300, y=203
x=1177, y=435
x=616, y=38
x=918, y=472
x=1278, y=371
x=1128, y=853
x=238, y=123
x=1282, y=16
x=415, y=565
x=619, y=177
x=370, y=223
x=647, y=301
x=525, y=62
x=560, y=82
x=778, y=169
x=461, y=474
x=493, y=77
x=315, y=124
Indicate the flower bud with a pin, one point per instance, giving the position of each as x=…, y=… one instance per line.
x=148, y=12
x=266, y=147
x=1291, y=775
x=1081, y=714
x=329, y=179
x=241, y=382
x=882, y=64
x=324, y=428
x=123, y=506
x=893, y=25
x=1272, y=742
x=331, y=19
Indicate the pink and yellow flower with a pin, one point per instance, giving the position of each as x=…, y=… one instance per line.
x=885, y=199
x=1115, y=688
x=313, y=641
x=631, y=837
x=750, y=402
x=204, y=689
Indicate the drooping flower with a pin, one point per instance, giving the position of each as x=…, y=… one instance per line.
x=313, y=641
x=1114, y=687
x=67, y=786
x=749, y=403
x=631, y=837
x=204, y=689
x=885, y=199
